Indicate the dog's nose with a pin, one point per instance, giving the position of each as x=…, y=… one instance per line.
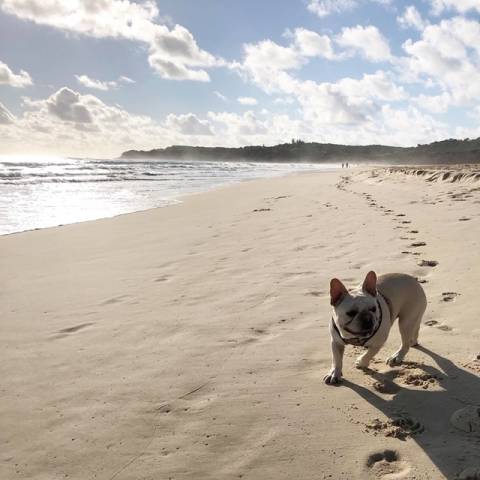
x=366, y=321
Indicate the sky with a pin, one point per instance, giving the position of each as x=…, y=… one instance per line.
x=94, y=78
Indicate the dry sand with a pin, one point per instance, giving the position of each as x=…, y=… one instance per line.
x=190, y=342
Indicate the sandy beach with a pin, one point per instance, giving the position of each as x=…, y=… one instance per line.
x=190, y=342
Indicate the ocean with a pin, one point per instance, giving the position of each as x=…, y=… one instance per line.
x=39, y=192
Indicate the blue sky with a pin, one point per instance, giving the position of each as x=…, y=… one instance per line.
x=96, y=77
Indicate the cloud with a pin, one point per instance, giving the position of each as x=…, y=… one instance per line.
x=411, y=18
x=349, y=101
x=188, y=124
x=434, y=103
x=247, y=101
x=7, y=77
x=69, y=106
x=462, y=6
x=220, y=96
x=70, y=123
x=237, y=126
x=173, y=53
x=284, y=101
x=88, y=82
x=322, y=8
x=125, y=79
x=265, y=64
x=447, y=57
x=5, y=116
x=346, y=102
x=368, y=41
x=311, y=44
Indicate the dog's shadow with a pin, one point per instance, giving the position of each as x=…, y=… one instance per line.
x=450, y=449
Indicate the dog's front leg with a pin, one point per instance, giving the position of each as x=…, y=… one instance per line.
x=335, y=374
x=363, y=361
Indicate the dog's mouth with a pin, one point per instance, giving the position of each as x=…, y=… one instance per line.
x=360, y=333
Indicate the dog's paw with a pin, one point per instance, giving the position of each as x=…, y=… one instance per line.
x=332, y=378
x=361, y=363
x=394, y=360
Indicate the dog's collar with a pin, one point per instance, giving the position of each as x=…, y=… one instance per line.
x=357, y=341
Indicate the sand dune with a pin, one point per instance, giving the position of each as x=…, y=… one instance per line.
x=190, y=342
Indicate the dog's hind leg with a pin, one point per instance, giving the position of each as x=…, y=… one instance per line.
x=409, y=325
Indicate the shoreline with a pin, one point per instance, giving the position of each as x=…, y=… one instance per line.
x=178, y=199
x=191, y=342
x=432, y=173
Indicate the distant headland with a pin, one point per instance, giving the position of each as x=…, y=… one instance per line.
x=446, y=151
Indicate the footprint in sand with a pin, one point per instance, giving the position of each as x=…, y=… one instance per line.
x=418, y=378
x=76, y=328
x=449, y=296
x=445, y=328
x=401, y=427
x=66, y=332
x=387, y=464
x=413, y=231
x=113, y=300
x=417, y=244
x=165, y=278
x=434, y=323
x=427, y=263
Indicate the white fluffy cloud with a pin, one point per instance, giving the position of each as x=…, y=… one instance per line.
x=70, y=106
x=188, y=124
x=447, y=56
x=368, y=41
x=69, y=123
x=173, y=53
x=411, y=18
x=434, y=103
x=7, y=77
x=311, y=44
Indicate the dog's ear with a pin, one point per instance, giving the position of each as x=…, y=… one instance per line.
x=370, y=283
x=337, y=291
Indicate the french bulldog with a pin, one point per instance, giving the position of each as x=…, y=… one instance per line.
x=364, y=316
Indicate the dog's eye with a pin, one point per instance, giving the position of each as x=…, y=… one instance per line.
x=352, y=313
x=373, y=309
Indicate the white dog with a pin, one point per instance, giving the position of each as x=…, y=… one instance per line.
x=364, y=317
